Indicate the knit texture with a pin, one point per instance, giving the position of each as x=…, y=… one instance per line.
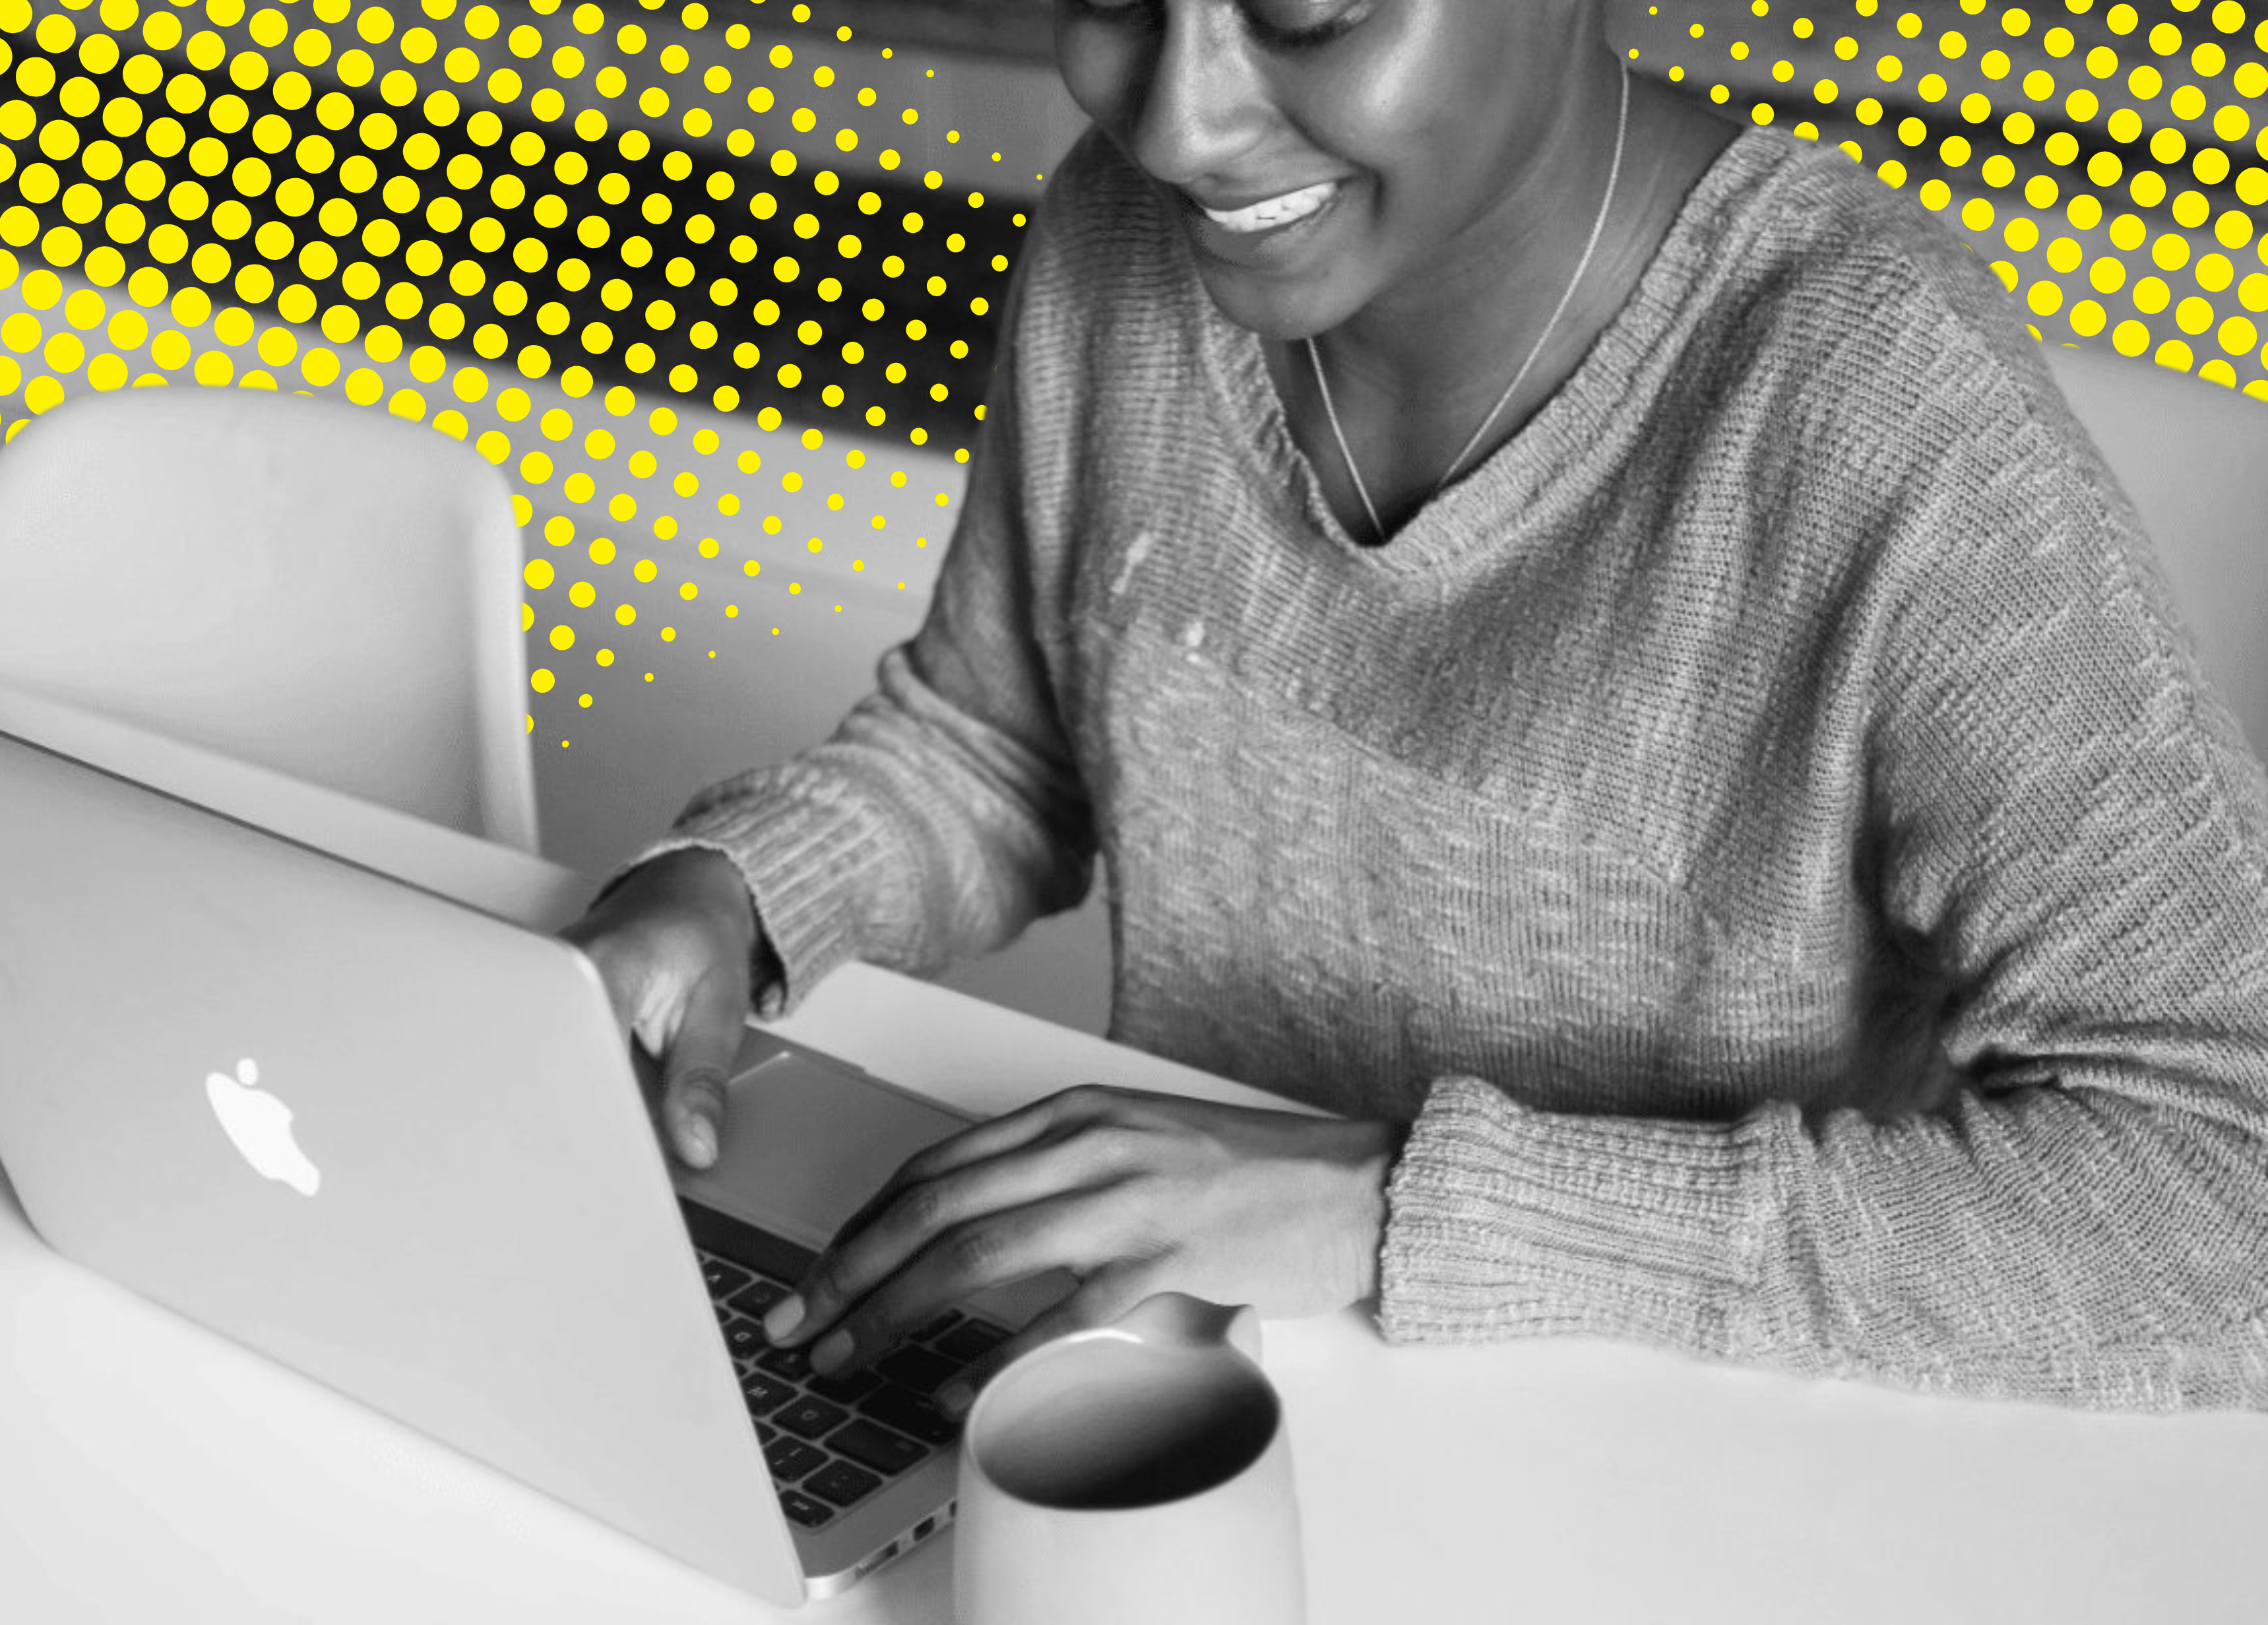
x=1762, y=829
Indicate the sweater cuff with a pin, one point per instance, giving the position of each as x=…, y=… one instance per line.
x=799, y=859
x=1503, y=1221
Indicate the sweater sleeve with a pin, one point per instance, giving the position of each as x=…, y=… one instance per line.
x=2073, y=824
x=946, y=812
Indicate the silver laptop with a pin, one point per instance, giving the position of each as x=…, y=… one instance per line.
x=398, y=1143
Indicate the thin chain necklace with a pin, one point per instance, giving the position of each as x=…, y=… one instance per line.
x=1323, y=385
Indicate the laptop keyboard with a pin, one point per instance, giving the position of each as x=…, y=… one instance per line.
x=832, y=1442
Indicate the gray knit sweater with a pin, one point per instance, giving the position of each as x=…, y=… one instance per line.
x=1762, y=830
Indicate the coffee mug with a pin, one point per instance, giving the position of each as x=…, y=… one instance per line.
x=1137, y=1473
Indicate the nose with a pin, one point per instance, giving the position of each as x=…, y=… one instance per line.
x=1203, y=103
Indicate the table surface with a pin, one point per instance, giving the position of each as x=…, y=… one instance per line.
x=154, y=1471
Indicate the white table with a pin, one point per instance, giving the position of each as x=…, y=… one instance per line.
x=152, y=1471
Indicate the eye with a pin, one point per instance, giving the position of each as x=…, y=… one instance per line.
x=1303, y=25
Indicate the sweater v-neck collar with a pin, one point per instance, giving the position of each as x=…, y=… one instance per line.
x=1571, y=422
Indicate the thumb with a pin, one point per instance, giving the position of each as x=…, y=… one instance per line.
x=623, y=977
x=698, y=1066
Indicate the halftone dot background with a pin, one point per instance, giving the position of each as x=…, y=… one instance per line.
x=551, y=233
x=596, y=245
x=2106, y=159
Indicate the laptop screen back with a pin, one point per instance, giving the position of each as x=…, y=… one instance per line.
x=381, y=1137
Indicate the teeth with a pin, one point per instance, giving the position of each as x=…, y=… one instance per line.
x=1272, y=211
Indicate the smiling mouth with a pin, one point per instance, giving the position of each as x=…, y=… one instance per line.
x=1273, y=211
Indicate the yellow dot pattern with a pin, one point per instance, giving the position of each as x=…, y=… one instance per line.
x=2109, y=161
x=502, y=224
x=477, y=221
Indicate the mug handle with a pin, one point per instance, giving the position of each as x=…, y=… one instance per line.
x=1178, y=1318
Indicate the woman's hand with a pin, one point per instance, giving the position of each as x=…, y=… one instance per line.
x=1131, y=1194
x=674, y=943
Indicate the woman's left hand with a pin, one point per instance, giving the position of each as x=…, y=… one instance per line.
x=1132, y=1194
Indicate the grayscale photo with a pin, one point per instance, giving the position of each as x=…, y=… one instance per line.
x=1241, y=812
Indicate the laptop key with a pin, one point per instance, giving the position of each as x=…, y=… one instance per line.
x=744, y=1338
x=909, y=1413
x=845, y=1388
x=968, y=1340
x=765, y=1393
x=917, y=1369
x=803, y=1509
x=810, y=1417
x=875, y=1447
x=842, y=1483
x=722, y=1278
x=792, y=1363
x=791, y=1459
x=757, y=1297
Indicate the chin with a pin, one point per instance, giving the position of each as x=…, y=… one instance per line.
x=1273, y=307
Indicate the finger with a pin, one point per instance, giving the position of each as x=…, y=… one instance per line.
x=1060, y=1114
x=1098, y=1302
x=900, y=1229
x=696, y=1066
x=994, y=1250
x=622, y=979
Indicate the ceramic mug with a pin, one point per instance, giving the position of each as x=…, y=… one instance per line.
x=1136, y=1472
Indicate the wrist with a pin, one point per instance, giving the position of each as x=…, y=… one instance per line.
x=1365, y=1152
x=706, y=880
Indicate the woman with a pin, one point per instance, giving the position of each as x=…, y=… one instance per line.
x=1735, y=834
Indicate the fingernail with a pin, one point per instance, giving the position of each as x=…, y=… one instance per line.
x=783, y=1317
x=955, y=1397
x=701, y=1141
x=829, y=1352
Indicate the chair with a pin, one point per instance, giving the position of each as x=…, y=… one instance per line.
x=2194, y=458
x=316, y=589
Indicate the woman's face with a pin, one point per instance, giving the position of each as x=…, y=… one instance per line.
x=1322, y=155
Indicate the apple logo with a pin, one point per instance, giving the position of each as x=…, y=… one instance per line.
x=259, y=1126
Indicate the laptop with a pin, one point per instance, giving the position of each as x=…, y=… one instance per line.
x=397, y=1142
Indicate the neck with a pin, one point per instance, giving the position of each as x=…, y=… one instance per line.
x=1451, y=338
x=1412, y=374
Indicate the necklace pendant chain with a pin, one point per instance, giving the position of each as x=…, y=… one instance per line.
x=1322, y=384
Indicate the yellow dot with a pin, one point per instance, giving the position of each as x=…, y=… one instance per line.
x=539, y=573
x=540, y=679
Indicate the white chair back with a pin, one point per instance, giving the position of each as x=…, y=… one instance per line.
x=321, y=589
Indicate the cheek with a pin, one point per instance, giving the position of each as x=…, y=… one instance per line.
x=1432, y=128
x=1396, y=105
x=1104, y=67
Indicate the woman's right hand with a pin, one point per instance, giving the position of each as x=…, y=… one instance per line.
x=675, y=943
